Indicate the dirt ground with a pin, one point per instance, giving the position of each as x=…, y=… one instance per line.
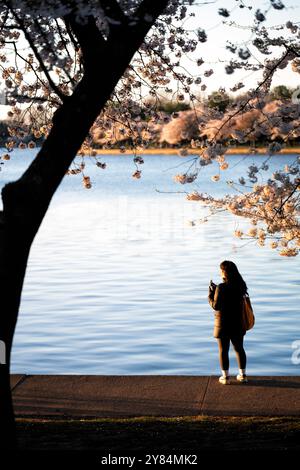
x=163, y=435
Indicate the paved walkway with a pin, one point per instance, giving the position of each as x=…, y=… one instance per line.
x=78, y=396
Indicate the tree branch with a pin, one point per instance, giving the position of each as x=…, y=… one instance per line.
x=17, y=53
x=71, y=36
x=28, y=198
x=115, y=16
x=61, y=95
x=89, y=39
x=139, y=24
x=113, y=10
x=148, y=11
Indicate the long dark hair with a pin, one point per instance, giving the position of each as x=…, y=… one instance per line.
x=232, y=275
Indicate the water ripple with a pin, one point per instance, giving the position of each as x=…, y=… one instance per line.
x=117, y=280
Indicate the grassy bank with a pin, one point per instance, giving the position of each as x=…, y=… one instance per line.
x=161, y=435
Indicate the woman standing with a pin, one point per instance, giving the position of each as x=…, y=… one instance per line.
x=226, y=298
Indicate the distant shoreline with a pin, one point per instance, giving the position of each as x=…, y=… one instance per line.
x=175, y=151
x=190, y=151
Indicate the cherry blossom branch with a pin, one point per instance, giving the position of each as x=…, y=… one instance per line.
x=271, y=72
x=17, y=53
x=293, y=191
x=61, y=95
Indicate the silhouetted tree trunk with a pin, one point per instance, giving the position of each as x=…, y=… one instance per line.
x=25, y=201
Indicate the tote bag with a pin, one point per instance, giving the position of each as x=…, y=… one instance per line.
x=248, y=318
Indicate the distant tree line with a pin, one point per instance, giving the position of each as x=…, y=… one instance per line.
x=179, y=122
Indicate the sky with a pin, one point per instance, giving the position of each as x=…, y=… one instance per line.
x=214, y=51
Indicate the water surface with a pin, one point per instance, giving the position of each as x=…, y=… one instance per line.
x=117, y=278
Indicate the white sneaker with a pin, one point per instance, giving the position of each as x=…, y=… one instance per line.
x=242, y=378
x=224, y=380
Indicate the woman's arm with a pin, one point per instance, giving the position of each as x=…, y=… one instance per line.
x=215, y=298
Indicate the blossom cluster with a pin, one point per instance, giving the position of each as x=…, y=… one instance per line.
x=272, y=207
